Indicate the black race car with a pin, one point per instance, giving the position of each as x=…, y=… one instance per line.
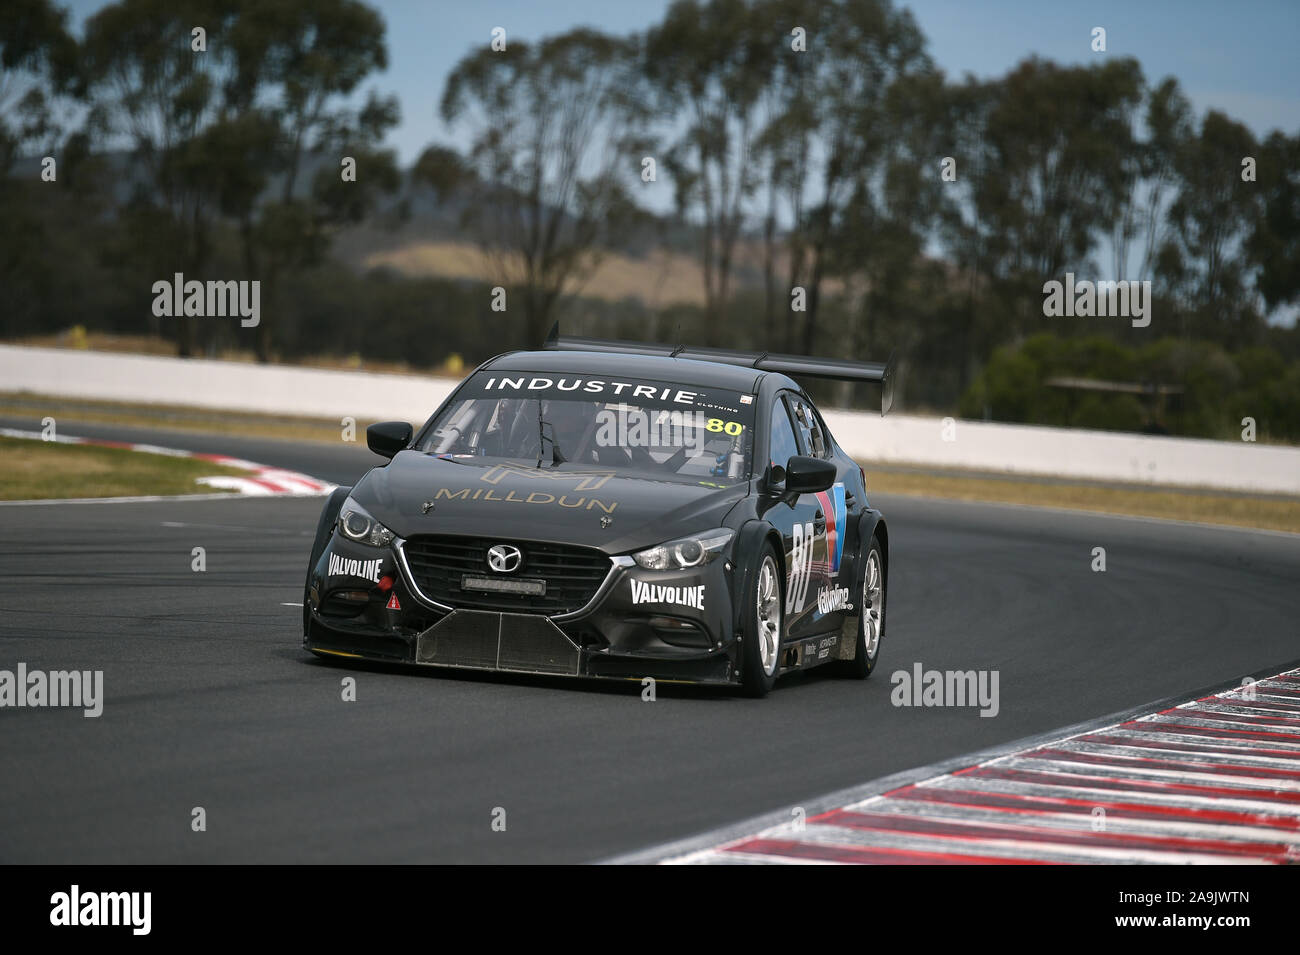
x=605, y=509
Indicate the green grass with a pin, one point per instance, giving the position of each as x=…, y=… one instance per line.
x=33, y=470
x=1276, y=513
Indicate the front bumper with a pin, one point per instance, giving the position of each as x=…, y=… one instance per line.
x=672, y=626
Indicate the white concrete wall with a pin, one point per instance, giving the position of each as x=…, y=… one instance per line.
x=1064, y=452
x=896, y=439
x=235, y=386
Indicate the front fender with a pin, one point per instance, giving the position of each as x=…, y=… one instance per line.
x=324, y=527
x=871, y=523
x=749, y=541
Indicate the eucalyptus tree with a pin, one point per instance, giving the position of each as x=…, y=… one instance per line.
x=295, y=66
x=842, y=144
x=222, y=104
x=37, y=66
x=151, y=71
x=708, y=64
x=1040, y=162
x=1211, y=222
x=1274, y=244
x=548, y=163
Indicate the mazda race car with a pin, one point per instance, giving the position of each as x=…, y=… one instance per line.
x=606, y=509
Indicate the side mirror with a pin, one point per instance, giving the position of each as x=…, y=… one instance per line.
x=388, y=437
x=805, y=475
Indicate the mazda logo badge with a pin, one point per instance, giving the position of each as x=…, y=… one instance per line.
x=504, y=558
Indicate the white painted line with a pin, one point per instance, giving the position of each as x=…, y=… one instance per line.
x=236, y=527
x=143, y=499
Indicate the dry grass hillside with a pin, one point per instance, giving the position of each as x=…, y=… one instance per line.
x=658, y=279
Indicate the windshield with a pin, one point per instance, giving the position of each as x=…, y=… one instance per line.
x=654, y=429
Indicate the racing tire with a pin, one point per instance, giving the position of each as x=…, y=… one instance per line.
x=763, y=625
x=871, y=617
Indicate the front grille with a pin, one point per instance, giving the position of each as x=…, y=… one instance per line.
x=572, y=574
x=525, y=643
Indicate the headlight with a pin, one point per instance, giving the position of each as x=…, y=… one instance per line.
x=355, y=523
x=685, y=552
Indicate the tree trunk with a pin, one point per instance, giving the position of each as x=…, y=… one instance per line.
x=814, y=296
x=769, y=279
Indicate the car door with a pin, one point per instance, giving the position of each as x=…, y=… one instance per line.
x=828, y=598
x=796, y=519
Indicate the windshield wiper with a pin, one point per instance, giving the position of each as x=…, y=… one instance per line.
x=542, y=425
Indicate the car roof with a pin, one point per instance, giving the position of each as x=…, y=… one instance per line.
x=684, y=371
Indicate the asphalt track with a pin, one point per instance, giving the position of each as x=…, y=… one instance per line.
x=210, y=702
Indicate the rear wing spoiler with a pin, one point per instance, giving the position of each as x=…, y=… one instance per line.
x=796, y=366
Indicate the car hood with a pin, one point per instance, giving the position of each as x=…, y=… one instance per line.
x=565, y=504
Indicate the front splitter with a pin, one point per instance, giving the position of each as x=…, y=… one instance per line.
x=504, y=642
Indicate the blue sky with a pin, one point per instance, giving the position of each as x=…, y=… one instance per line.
x=1243, y=58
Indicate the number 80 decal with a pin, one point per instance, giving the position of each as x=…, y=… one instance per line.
x=801, y=558
x=718, y=426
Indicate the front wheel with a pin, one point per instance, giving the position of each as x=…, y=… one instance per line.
x=871, y=618
x=761, y=637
